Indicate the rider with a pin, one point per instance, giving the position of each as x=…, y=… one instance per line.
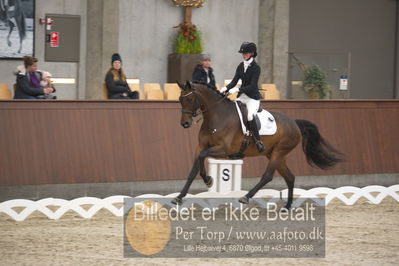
x=248, y=71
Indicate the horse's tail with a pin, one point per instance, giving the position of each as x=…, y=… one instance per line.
x=319, y=153
x=20, y=19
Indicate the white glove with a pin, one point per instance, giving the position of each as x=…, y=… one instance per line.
x=234, y=90
x=223, y=89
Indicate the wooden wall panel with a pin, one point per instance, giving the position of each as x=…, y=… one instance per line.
x=54, y=142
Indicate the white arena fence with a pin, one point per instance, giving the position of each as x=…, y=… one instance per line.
x=62, y=206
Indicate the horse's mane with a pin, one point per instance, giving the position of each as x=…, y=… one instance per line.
x=213, y=89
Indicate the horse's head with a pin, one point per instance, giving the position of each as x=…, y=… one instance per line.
x=190, y=104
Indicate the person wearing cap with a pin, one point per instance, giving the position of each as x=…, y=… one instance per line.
x=248, y=71
x=203, y=73
x=115, y=81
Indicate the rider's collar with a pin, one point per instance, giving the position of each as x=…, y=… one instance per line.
x=249, y=61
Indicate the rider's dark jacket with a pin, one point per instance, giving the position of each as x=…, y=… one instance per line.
x=249, y=80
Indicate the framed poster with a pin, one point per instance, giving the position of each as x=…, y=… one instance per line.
x=17, y=28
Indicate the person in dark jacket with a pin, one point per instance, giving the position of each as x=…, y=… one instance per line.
x=28, y=81
x=203, y=73
x=116, y=83
x=248, y=71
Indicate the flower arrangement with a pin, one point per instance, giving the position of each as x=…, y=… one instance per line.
x=188, y=40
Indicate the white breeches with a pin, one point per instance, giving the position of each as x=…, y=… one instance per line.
x=252, y=105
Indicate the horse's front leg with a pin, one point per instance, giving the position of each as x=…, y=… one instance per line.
x=198, y=166
x=216, y=151
x=190, y=179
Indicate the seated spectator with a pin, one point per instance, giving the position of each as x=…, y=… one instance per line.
x=115, y=80
x=45, y=83
x=203, y=73
x=28, y=81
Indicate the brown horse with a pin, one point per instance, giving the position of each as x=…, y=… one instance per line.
x=221, y=136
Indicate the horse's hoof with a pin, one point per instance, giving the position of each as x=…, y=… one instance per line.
x=210, y=181
x=244, y=200
x=288, y=207
x=177, y=201
x=9, y=43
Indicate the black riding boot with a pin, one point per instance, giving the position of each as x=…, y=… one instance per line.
x=255, y=132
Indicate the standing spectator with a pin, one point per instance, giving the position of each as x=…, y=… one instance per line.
x=203, y=73
x=28, y=81
x=115, y=80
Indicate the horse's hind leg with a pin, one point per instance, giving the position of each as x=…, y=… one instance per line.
x=289, y=179
x=274, y=163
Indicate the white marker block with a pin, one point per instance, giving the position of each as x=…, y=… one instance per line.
x=226, y=175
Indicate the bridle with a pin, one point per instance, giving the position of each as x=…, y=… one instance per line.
x=197, y=105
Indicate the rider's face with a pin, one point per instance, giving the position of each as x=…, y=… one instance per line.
x=247, y=56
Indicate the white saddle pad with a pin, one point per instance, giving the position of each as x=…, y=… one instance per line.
x=267, y=121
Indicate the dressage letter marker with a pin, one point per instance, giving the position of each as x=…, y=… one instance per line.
x=226, y=175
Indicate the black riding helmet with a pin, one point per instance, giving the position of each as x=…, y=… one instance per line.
x=248, y=47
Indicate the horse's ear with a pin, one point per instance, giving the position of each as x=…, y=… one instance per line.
x=181, y=85
x=189, y=85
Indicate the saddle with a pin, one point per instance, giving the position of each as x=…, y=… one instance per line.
x=264, y=120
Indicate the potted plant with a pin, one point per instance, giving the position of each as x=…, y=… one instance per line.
x=315, y=81
x=188, y=45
